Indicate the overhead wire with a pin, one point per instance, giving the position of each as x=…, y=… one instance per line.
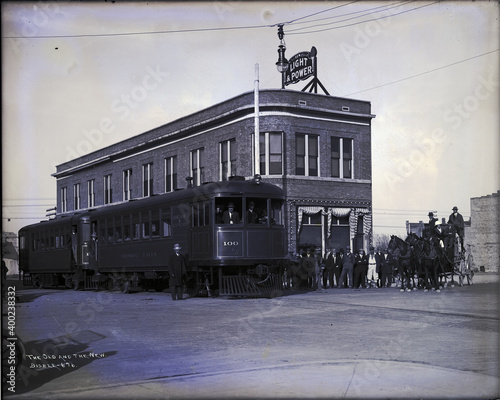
x=111, y=34
x=353, y=12
x=361, y=22
x=422, y=73
x=378, y=10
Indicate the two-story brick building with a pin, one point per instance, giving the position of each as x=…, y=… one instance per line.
x=316, y=147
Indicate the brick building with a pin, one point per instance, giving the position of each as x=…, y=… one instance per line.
x=316, y=147
x=484, y=231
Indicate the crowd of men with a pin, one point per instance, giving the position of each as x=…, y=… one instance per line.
x=338, y=269
x=344, y=269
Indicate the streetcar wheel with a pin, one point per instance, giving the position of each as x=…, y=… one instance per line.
x=126, y=287
x=192, y=287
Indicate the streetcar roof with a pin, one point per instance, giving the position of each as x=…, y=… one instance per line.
x=207, y=191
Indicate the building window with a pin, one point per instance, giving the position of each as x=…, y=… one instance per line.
x=307, y=155
x=76, y=196
x=197, y=166
x=147, y=180
x=341, y=158
x=271, y=153
x=170, y=174
x=64, y=199
x=127, y=184
x=227, y=151
x=90, y=193
x=108, y=194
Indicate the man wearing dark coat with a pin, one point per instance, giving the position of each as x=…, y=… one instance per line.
x=309, y=267
x=457, y=221
x=230, y=216
x=348, y=262
x=329, y=260
x=177, y=272
x=384, y=271
x=432, y=228
x=252, y=216
x=360, y=270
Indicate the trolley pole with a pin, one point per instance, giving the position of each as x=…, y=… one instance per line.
x=256, y=121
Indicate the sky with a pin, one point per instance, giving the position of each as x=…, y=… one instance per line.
x=79, y=76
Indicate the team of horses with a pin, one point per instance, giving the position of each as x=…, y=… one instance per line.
x=428, y=262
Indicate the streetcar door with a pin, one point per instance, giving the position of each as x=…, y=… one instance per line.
x=83, y=251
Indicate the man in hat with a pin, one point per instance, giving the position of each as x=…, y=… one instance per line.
x=348, y=262
x=252, y=217
x=230, y=216
x=177, y=271
x=432, y=225
x=372, y=275
x=457, y=221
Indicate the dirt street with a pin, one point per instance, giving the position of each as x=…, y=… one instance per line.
x=338, y=343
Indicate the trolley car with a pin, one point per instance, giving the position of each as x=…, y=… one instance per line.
x=126, y=246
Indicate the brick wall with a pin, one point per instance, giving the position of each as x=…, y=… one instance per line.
x=289, y=112
x=484, y=231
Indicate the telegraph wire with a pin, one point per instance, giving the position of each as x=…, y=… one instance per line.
x=422, y=73
x=214, y=29
x=354, y=12
x=316, y=13
x=361, y=22
x=384, y=8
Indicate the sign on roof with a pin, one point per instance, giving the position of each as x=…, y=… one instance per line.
x=301, y=66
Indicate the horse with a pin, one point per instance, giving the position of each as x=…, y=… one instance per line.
x=431, y=263
x=417, y=257
x=449, y=255
x=401, y=252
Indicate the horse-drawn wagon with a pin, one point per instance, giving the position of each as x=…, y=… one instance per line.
x=430, y=260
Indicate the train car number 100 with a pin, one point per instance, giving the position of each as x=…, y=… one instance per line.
x=231, y=243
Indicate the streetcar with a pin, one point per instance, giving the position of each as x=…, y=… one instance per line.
x=126, y=246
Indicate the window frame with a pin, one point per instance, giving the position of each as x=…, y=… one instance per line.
x=147, y=179
x=227, y=159
x=127, y=184
x=108, y=191
x=308, y=155
x=344, y=164
x=170, y=174
x=91, y=193
x=64, y=199
x=196, y=165
x=77, y=202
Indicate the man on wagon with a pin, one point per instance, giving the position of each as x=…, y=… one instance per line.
x=457, y=221
x=432, y=228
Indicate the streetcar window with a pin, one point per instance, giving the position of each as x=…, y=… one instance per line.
x=195, y=215
x=225, y=206
x=206, y=210
x=166, y=219
x=22, y=242
x=118, y=229
x=145, y=224
x=200, y=214
x=58, y=239
x=155, y=223
x=126, y=228
x=276, y=211
x=136, y=228
x=109, y=230
x=102, y=233
x=256, y=210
